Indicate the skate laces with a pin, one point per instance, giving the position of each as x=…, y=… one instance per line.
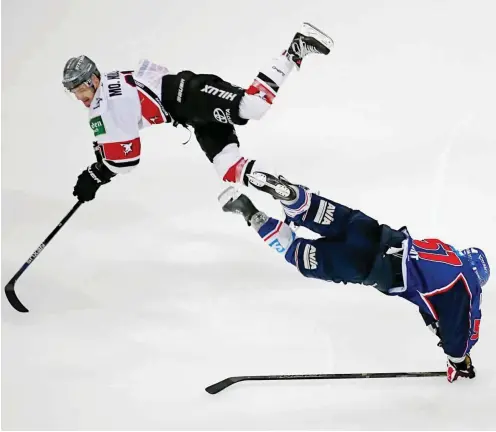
x=302, y=48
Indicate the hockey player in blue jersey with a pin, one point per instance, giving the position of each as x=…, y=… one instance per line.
x=443, y=282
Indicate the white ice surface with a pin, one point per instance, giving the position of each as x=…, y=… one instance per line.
x=150, y=293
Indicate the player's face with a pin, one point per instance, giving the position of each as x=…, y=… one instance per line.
x=85, y=93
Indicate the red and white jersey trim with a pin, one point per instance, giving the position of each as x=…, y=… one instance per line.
x=125, y=103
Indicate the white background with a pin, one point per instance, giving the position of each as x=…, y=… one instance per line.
x=150, y=293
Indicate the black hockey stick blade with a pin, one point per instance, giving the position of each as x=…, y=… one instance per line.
x=221, y=385
x=13, y=299
x=10, y=287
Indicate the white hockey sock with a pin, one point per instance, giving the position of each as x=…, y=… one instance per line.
x=232, y=167
x=259, y=96
x=278, y=235
x=229, y=163
x=271, y=77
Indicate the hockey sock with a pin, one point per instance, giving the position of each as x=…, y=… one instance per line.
x=232, y=167
x=300, y=204
x=275, y=233
x=269, y=79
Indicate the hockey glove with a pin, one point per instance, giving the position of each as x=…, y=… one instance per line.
x=464, y=369
x=88, y=182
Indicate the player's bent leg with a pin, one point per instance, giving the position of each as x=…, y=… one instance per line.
x=340, y=260
x=221, y=145
x=232, y=167
x=275, y=233
x=304, y=208
x=262, y=92
x=320, y=259
x=333, y=260
x=360, y=249
x=308, y=256
x=201, y=98
x=192, y=98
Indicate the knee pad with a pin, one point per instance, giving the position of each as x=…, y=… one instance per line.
x=229, y=163
x=253, y=107
x=232, y=167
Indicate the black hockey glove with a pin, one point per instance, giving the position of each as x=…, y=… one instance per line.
x=88, y=182
x=464, y=369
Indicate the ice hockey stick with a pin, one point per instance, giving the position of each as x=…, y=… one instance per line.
x=10, y=287
x=221, y=385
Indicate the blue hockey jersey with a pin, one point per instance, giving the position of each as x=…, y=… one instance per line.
x=355, y=248
x=440, y=280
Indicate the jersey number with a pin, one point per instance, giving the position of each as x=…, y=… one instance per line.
x=439, y=252
x=475, y=334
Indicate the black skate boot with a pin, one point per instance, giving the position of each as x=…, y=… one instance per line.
x=308, y=40
x=278, y=187
x=232, y=201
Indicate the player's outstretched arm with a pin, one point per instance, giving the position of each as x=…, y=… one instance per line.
x=458, y=328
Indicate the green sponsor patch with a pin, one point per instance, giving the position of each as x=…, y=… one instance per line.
x=97, y=125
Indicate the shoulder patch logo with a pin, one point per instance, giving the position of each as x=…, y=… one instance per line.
x=97, y=125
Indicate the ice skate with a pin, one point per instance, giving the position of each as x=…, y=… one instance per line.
x=308, y=40
x=233, y=201
x=278, y=187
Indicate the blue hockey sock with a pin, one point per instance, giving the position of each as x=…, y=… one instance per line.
x=300, y=204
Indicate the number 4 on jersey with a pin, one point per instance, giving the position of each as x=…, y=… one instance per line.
x=438, y=252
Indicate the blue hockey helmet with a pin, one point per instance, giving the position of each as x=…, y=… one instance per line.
x=479, y=264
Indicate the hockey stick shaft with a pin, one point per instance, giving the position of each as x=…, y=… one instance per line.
x=221, y=385
x=10, y=287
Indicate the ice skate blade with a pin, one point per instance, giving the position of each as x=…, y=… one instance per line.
x=310, y=30
x=228, y=195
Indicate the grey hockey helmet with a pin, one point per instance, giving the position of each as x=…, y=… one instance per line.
x=79, y=70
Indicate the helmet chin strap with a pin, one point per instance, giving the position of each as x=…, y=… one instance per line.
x=90, y=84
